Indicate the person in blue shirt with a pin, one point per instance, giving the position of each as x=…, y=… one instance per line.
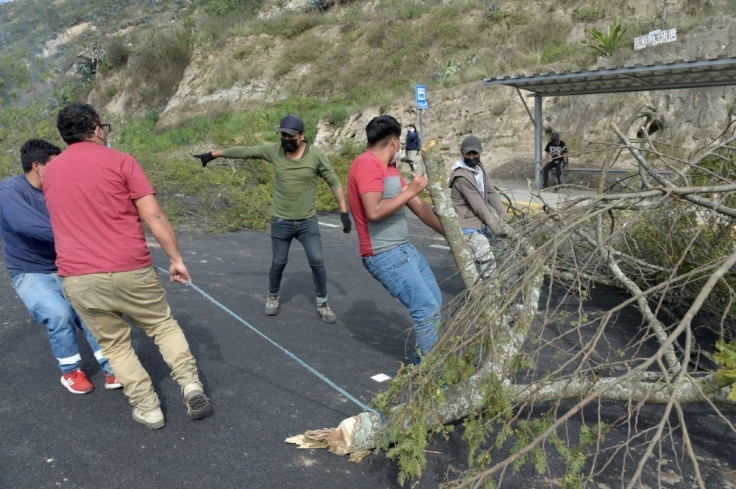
x=30, y=258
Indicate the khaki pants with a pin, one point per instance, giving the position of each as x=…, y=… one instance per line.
x=103, y=298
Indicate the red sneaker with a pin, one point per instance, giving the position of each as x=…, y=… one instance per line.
x=76, y=382
x=111, y=382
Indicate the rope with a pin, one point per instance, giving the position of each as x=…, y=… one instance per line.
x=284, y=350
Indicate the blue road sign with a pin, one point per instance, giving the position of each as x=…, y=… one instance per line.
x=421, y=96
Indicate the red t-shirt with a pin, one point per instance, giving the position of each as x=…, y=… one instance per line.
x=368, y=174
x=89, y=191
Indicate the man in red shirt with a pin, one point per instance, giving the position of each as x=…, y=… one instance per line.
x=378, y=196
x=96, y=197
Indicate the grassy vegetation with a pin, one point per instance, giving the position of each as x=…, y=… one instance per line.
x=228, y=194
x=357, y=58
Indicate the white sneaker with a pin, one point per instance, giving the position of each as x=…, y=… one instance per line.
x=272, y=305
x=153, y=419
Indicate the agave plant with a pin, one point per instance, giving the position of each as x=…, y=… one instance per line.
x=606, y=44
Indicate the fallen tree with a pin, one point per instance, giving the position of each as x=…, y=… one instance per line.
x=526, y=352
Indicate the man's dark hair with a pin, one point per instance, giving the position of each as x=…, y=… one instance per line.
x=38, y=151
x=77, y=122
x=381, y=128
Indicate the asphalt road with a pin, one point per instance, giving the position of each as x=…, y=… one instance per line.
x=50, y=438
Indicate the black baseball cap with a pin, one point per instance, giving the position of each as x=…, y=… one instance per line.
x=471, y=143
x=291, y=125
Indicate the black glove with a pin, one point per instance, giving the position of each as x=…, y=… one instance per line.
x=346, y=224
x=205, y=157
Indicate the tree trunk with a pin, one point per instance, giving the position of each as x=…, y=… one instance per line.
x=437, y=175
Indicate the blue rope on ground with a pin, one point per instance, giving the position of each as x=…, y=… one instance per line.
x=287, y=352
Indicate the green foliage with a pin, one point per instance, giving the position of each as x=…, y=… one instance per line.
x=289, y=24
x=14, y=74
x=228, y=194
x=725, y=355
x=320, y=5
x=605, y=44
x=493, y=12
x=159, y=60
x=553, y=53
x=19, y=124
x=497, y=15
x=445, y=69
x=408, y=451
x=588, y=14
x=682, y=241
x=118, y=52
x=227, y=7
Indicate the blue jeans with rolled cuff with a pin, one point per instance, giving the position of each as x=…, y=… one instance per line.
x=44, y=298
x=404, y=272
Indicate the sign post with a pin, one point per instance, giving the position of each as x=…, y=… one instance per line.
x=420, y=93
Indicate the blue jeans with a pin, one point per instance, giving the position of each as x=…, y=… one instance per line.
x=404, y=272
x=44, y=298
x=307, y=232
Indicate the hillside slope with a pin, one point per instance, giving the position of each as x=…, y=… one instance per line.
x=175, y=60
x=350, y=50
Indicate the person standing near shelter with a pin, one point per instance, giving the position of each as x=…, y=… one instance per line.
x=556, y=149
x=28, y=251
x=378, y=195
x=472, y=191
x=296, y=167
x=412, y=146
x=96, y=198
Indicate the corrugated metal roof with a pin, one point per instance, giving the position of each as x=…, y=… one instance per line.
x=668, y=76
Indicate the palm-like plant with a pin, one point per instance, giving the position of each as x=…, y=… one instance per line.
x=606, y=44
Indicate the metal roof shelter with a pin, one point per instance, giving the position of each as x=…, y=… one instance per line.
x=668, y=76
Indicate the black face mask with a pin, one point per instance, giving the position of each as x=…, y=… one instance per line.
x=472, y=161
x=290, y=145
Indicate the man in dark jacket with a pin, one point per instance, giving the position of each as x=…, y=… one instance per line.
x=471, y=191
x=412, y=145
x=556, y=149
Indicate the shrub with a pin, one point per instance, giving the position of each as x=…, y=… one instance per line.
x=588, y=14
x=290, y=24
x=227, y=7
x=160, y=60
x=605, y=44
x=553, y=52
x=118, y=52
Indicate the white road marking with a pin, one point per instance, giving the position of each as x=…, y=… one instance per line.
x=440, y=247
x=381, y=377
x=329, y=225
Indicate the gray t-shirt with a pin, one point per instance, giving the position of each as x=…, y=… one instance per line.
x=368, y=174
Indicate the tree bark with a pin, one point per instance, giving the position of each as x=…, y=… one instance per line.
x=436, y=174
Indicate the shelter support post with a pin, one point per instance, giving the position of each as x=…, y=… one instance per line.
x=537, y=140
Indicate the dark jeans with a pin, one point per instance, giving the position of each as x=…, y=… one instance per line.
x=307, y=232
x=557, y=165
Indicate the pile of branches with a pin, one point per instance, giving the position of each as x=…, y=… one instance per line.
x=605, y=316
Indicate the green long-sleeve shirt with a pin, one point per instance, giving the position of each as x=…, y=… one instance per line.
x=294, y=181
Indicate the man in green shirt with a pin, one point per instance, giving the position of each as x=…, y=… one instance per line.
x=296, y=167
